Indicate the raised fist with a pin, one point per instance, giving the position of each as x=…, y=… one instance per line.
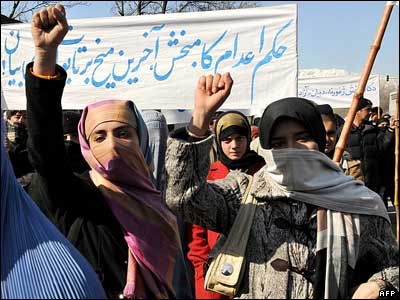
x=49, y=27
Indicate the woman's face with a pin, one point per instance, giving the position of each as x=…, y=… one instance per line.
x=111, y=132
x=112, y=137
x=234, y=146
x=289, y=133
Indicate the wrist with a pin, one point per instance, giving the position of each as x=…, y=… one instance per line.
x=199, y=123
x=45, y=61
x=194, y=135
x=380, y=283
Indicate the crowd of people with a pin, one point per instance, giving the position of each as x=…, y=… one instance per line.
x=140, y=211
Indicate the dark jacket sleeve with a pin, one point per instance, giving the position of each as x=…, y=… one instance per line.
x=44, y=117
x=56, y=187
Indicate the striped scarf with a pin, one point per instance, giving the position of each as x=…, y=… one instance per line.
x=338, y=241
x=311, y=177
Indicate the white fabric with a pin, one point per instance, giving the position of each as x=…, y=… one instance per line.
x=337, y=91
x=313, y=178
x=342, y=238
x=156, y=60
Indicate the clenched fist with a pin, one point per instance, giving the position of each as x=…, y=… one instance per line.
x=211, y=93
x=49, y=27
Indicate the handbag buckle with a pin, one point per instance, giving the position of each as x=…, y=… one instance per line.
x=227, y=269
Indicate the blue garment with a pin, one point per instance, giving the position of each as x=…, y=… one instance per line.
x=37, y=261
x=158, y=135
x=144, y=135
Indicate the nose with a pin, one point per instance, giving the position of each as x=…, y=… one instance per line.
x=234, y=143
x=290, y=143
x=111, y=142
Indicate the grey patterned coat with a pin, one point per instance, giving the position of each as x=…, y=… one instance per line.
x=282, y=228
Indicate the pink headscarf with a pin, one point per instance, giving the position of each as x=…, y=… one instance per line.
x=150, y=229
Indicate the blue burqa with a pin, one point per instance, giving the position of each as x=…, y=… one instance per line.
x=37, y=261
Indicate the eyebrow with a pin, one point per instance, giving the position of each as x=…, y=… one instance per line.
x=296, y=135
x=117, y=128
x=303, y=132
x=278, y=138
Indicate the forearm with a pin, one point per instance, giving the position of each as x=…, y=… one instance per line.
x=45, y=61
x=389, y=277
x=44, y=117
x=199, y=123
x=188, y=194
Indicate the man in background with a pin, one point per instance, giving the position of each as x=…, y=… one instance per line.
x=16, y=139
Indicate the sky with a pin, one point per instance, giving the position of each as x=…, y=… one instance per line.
x=331, y=34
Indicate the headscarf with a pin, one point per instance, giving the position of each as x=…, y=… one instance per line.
x=326, y=109
x=37, y=261
x=124, y=179
x=311, y=177
x=299, y=109
x=229, y=123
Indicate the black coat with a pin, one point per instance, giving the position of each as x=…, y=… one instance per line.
x=71, y=202
x=370, y=145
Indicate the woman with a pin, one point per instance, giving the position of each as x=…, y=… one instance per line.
x=37, y=261
x=158, y=133
x=232, y=133
x=316, y=233
x=113, y=214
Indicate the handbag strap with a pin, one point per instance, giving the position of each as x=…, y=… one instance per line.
x=236, y=241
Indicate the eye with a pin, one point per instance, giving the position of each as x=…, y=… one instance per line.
x=98, y=138
x=277, y=145
x=123, y=134
x=331, y=133
x=304, y=138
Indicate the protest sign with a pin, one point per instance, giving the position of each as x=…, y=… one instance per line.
x=337, y=91
x=156, y=60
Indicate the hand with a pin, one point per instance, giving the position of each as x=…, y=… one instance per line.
x=211, y=93
x=395, y=124
x=368, y=290
x=49, y=27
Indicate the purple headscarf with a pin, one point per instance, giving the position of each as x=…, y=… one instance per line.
x=150, y=229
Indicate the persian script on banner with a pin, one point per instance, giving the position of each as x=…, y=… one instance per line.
x=156, y=60
x=337, y=91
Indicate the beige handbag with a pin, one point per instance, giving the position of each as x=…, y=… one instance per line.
x=226, y=270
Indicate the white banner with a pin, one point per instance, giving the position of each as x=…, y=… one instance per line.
x=156, y=60
x=337, y=91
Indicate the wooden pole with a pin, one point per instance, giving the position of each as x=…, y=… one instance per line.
x=341, y=144
x=396, y=166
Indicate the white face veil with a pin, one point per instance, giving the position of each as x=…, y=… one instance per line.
x=312, y=177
